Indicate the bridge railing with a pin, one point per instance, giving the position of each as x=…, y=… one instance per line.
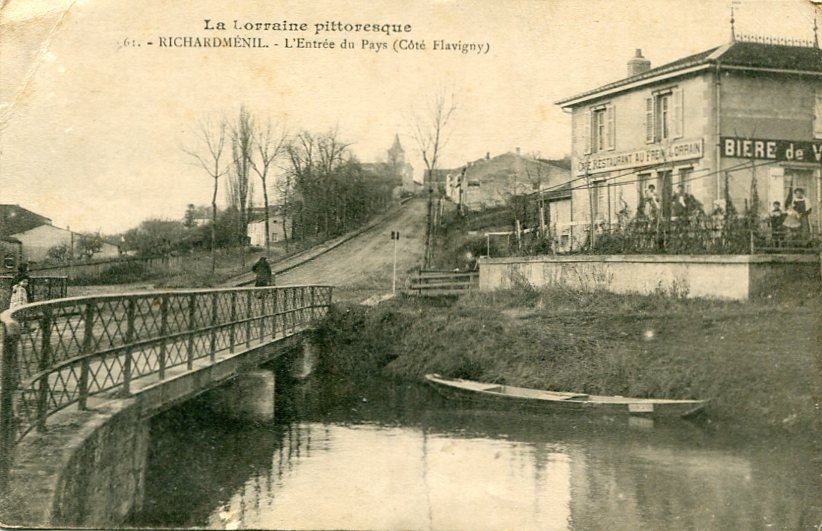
x=58, y=353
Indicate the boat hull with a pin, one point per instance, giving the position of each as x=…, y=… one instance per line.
x=548, y=401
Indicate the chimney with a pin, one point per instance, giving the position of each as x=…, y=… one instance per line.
x=487, y=155
x=638, y=64
x=517, y=151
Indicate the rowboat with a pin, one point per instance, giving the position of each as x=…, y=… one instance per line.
x=559, y=401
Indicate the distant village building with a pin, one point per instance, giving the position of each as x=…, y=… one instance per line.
x=401, y=168
x=30, y=236
x=437, y=179
x=751, y=111
x=256, y=226
x=491, y=182
x=36, y=243
x=396, y=168
x=14, y=219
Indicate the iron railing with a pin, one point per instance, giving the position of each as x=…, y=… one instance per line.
x=41, y=288
x=676, y=236
x=58, y=353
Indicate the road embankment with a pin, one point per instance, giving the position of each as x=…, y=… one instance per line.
x=758, y=362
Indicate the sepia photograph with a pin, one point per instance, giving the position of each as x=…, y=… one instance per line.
x=411, y=265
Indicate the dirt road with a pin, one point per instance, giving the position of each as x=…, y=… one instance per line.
x=363, y=266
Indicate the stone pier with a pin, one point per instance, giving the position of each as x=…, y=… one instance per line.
x=247, y=398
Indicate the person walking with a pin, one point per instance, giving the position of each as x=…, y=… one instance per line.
x=262, y=270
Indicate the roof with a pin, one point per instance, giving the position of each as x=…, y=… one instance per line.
x=737, y=54
x=41, y=228
x=513, y=166
x=15, y=219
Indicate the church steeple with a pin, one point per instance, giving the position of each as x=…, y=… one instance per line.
x=396, y=153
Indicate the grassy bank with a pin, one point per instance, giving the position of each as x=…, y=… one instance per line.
x=758, y=362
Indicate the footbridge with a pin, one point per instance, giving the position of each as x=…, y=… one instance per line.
x=79, y=376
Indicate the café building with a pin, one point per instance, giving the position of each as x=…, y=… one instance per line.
x=747, y=113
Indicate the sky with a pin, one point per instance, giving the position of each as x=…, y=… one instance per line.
x=94, y=130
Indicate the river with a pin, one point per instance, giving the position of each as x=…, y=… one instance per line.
x=382, y=455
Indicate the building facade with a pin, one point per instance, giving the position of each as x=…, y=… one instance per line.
x=256, y=230
x=492, y=181
x=748, y=114
x=37, y=242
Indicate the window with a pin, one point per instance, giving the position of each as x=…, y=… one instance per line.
x=664, y=115
x=685, y=178
x=662, y=109
x=817, y=115
x=599, y=131
x=643, y=180
x=795, y=178
x=599, y=201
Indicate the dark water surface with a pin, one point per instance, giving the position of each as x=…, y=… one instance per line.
x=387, y=456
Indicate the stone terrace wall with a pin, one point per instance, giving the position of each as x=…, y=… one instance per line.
x=719, y=277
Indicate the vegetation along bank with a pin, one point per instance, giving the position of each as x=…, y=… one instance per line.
x=757, y=362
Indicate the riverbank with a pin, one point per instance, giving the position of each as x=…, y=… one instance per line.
x=757, y=362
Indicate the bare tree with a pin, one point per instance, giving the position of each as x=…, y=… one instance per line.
x=239, y=183
x=212, y=139
x=299, y=178
x=269, y=149
x=331, y=151
x=431, y=129
x=314, y=167
x=431, y=133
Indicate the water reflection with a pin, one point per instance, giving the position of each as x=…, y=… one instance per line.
x=396, y=457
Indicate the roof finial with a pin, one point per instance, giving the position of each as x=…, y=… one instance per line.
x=733, y=32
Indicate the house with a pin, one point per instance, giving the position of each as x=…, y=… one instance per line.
x=256, y=226
x=28, y=236
x=437, y=179
x=491, y=182
x=37, y=241
x=14, y=219
x=748, y=113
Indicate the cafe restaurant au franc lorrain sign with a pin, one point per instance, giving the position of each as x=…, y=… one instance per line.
x=673, y=152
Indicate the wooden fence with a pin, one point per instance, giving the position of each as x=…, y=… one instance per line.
x=435, y=283
x=81, y=269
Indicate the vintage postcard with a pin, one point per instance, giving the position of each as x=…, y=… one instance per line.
x=433, y=264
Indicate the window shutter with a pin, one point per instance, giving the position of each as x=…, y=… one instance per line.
x=679, y=114
x=586, y=131
x=817, y=115
x=610, y=126
x=649, y=120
